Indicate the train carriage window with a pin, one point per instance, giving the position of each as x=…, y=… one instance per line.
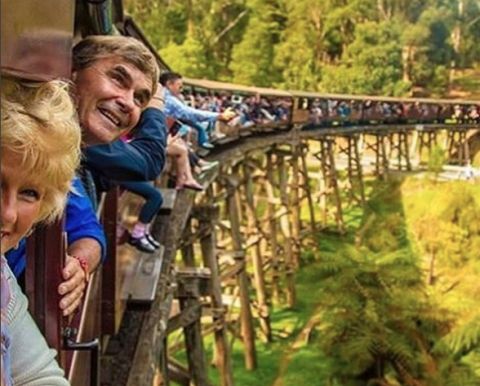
x=304, y=104
x=236, y=99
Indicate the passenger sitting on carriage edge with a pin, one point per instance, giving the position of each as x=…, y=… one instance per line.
x=176, y=108
x=116, y=88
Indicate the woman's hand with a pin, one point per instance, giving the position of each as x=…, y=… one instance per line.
x=73, y=287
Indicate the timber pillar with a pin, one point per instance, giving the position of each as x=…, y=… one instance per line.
x=208, y=217
x=305, y=185
x=329, y=189
x=273, y=228
x=399, y=148
x=379, y=148
x=458, y=150
x=246, y=320
x=192, y=283
x=427, y=139
x=254, y=238
x=285, y=226
x=295, y=204
x=354, y=168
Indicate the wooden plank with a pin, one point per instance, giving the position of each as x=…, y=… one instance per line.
x=140, y=288
x=222, y=358
x=232, y=271
x=248, y=333
x=169, y=196
x=178, y=373
x=110, y=316
x=197, y=366
x=193, y=282
x=185, y=317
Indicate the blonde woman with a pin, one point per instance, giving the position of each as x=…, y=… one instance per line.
x=40, y=142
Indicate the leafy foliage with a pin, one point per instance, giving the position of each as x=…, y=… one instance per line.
x=381, y=324
x=357, y=46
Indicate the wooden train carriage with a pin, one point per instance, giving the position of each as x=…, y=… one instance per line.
x=275, y=105
x=325, y=109
x=321, y=109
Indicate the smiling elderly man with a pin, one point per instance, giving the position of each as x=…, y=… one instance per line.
x=116, y=89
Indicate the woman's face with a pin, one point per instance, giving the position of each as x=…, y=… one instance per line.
x=21, y=200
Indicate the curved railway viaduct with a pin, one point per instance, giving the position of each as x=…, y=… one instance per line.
x=240, y=242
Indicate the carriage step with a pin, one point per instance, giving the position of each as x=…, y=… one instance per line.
x=141, y=282
x=169, y=196
x=226, y=139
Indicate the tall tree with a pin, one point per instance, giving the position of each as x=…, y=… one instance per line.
x=253, y=58
x=370, y=65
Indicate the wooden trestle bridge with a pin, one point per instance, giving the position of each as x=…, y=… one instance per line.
x=241, y=241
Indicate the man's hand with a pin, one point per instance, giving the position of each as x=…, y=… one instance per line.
x=158, y=100
x=73, y=287
x=227, y=115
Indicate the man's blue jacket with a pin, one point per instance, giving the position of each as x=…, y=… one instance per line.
x=141, y=159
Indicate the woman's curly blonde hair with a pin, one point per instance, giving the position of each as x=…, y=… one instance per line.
x=39, y=123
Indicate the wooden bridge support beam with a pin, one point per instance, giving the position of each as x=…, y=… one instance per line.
x=187, y=249
x=247, y=330
x=399, y=148
x=329, y=180
x=286, y=232
x=458, y=150
x=295, y=205
x=208, y=218
x=354, y=169
x=194, y=341
x=191, y=286
x=427, y=138
x=273, y=229
x=253, y=230
x=379, y=148
x=305, y=184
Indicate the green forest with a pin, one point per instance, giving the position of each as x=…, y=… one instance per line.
x=391, y=302
x=375, y=47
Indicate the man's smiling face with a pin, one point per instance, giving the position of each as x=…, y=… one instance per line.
x=110, y=95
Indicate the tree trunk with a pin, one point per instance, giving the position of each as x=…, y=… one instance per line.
x=456, y=41
x=431, y=270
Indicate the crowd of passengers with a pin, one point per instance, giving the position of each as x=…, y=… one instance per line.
x=324, y=111
x=62, y=146
x=250, y=110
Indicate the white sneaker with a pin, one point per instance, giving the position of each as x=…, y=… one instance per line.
x=208, y=166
